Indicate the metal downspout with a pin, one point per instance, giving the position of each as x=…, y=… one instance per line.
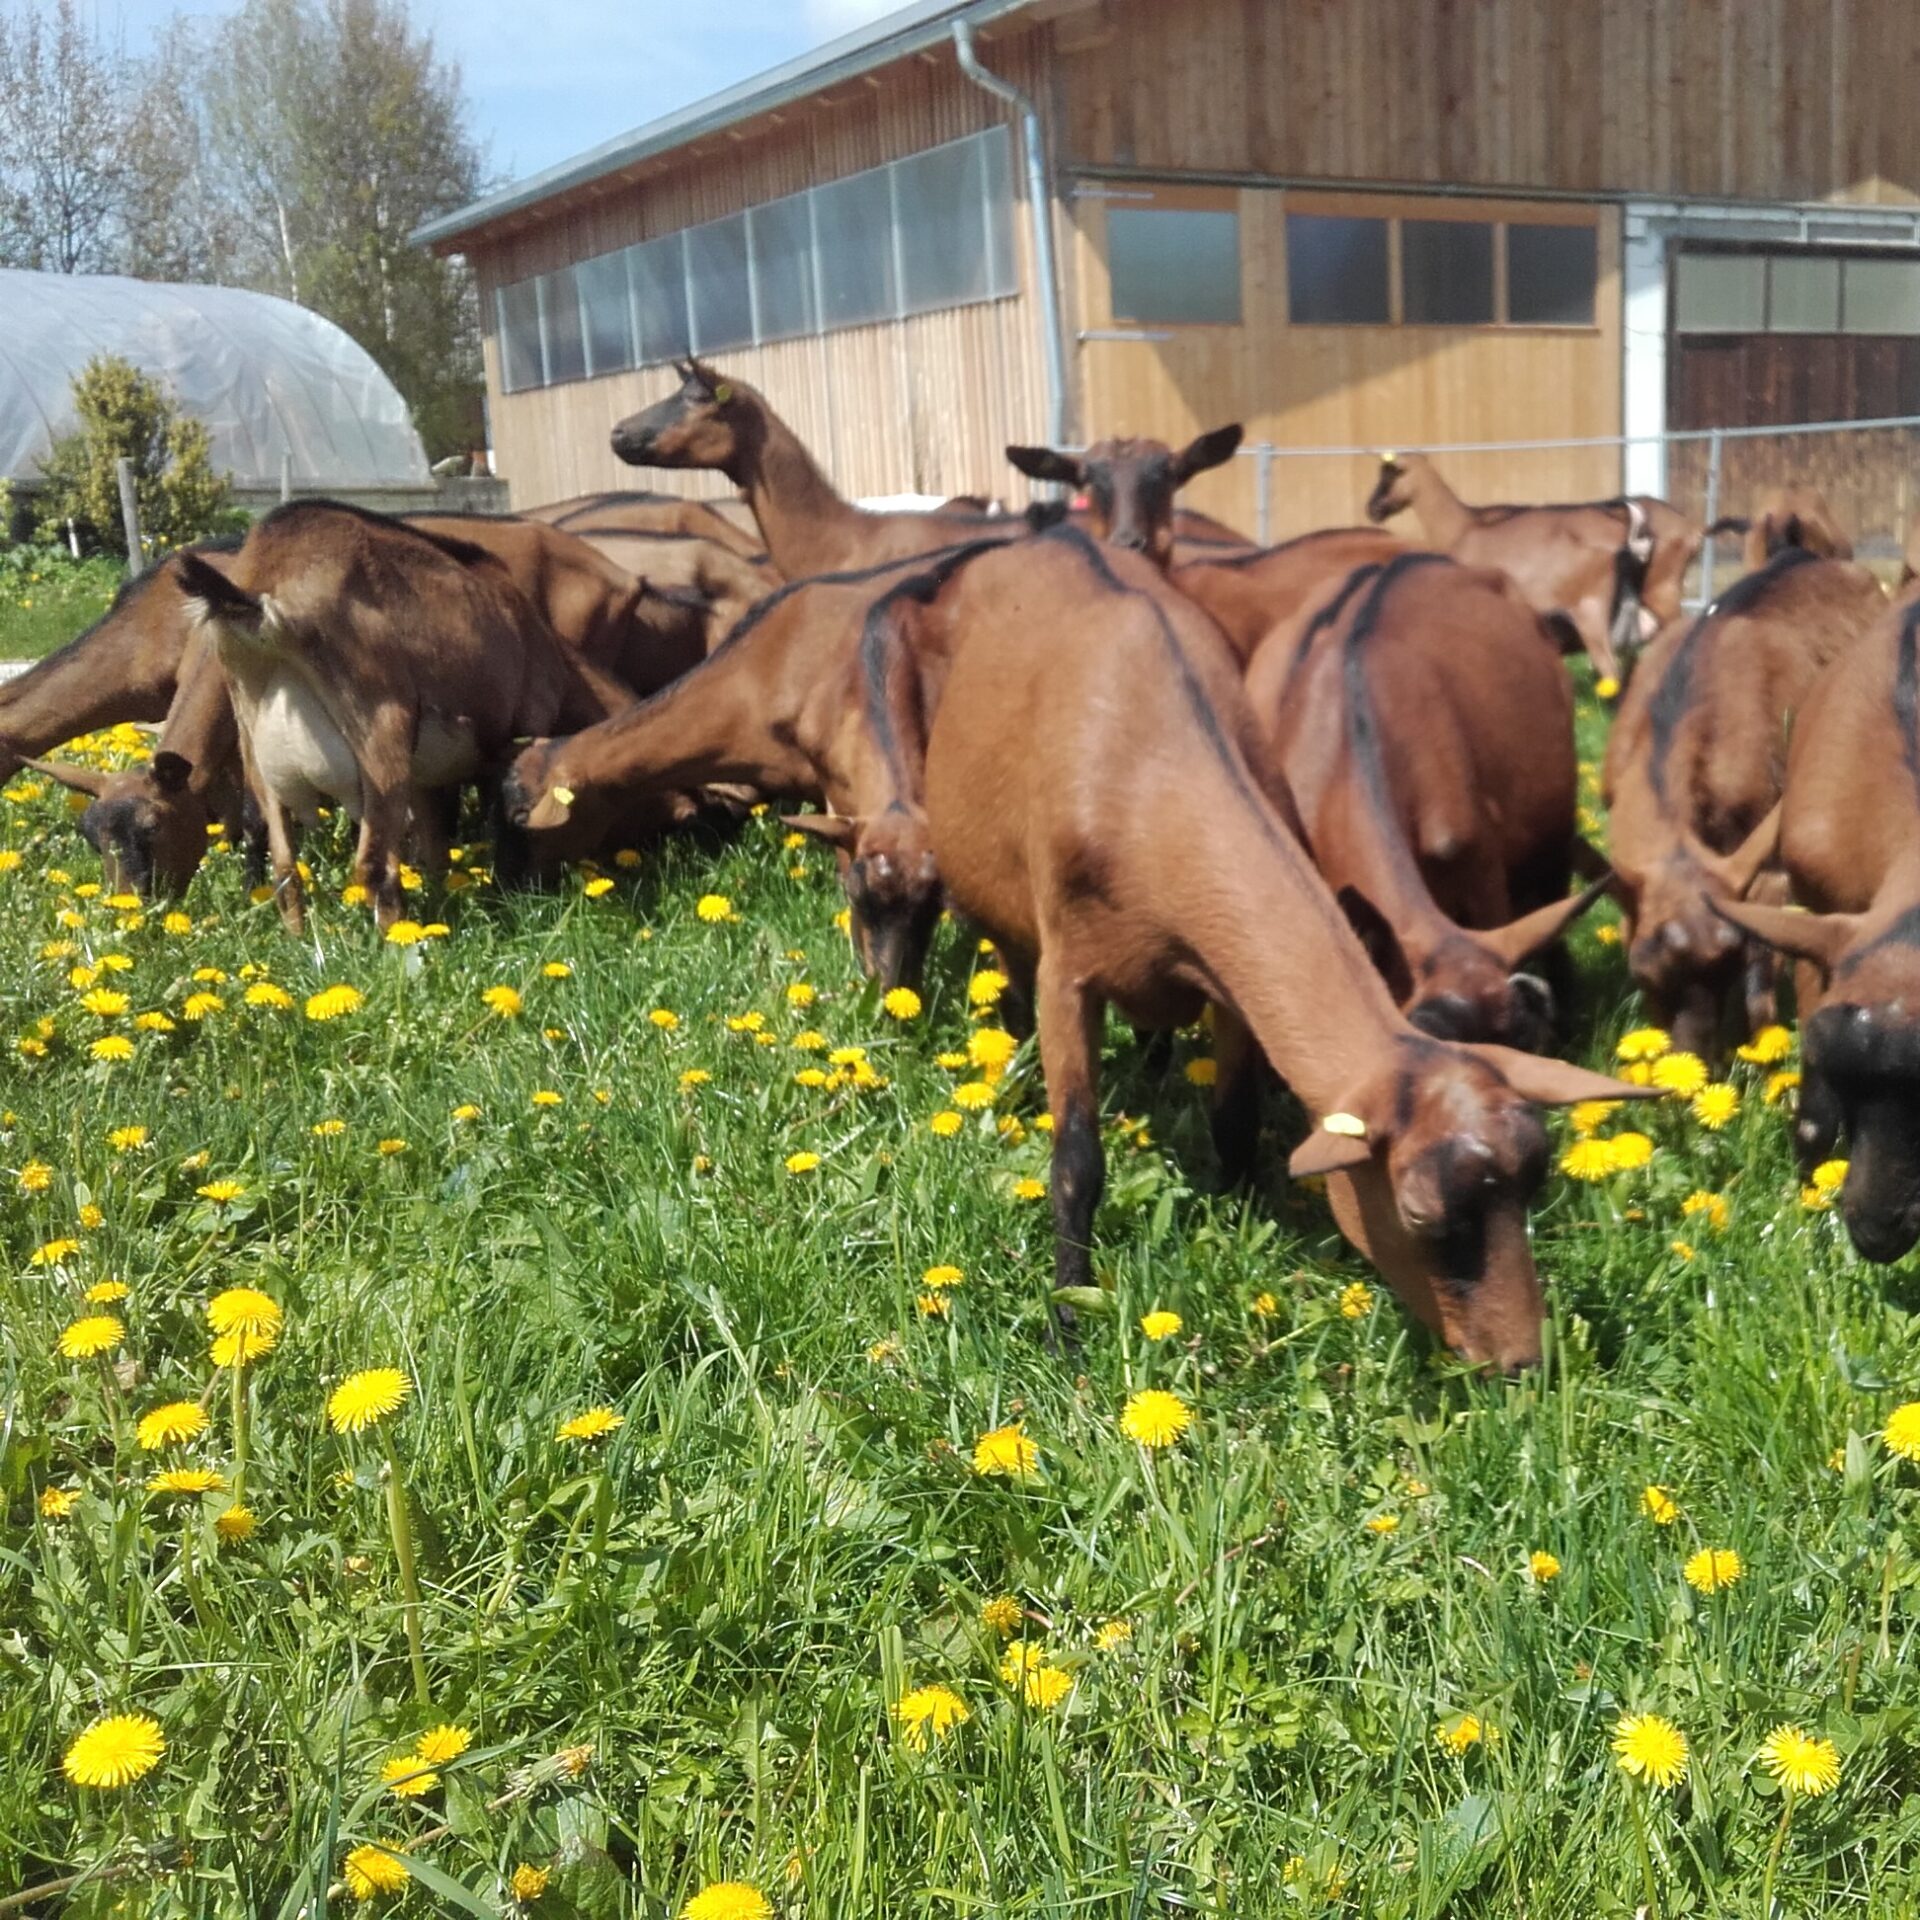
x=1041, y=201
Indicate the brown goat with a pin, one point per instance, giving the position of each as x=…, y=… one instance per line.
x=1694, y=765
x=1092, y=799
x=370, y=663
x=815, y=696
x=1424, y=728
x=1249, y=594
x=727, y=523
x=1130, y=484
x=125, y=666
x=1788, y=517
x=1849, y=842
x=1600, y=563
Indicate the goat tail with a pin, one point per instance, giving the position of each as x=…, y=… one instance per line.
x=1730, y=523
x=214, y=599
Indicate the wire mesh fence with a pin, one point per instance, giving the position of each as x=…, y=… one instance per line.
x=1866, y=469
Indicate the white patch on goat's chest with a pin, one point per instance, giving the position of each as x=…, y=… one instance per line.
x=299, y=752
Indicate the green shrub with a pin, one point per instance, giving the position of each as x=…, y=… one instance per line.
x=124, y=413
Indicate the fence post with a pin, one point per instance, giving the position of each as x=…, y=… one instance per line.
x=286, y=473
x=1713, y=514
x=130, y=515
x=1263, y=492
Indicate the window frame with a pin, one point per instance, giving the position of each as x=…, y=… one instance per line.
x=1154, y=198
x=1763, y=255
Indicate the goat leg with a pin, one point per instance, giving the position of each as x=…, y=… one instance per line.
x=1239, y=1066
x=288, y=894
x=1070, y=1025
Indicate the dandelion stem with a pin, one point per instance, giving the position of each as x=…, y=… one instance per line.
x=1773, y=1856
x=240, y=1433
x=402, y=1528
x=1646, y=1853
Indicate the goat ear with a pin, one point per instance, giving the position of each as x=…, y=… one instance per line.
x=170, y=770
x=1738, y=870
x=1561, y=630
x=1043, y=463
x=1378, y=937
x=836, y=829
x=1519, y=940
x=80, y=779
x=1338, y=1141
x=216, y=597
x=1209, y=450
x=1555, y=1083
x=1820, y=938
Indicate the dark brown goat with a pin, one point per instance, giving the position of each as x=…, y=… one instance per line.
x=1600, y=563
x=815, y=697
x=727, y=523
x=1694, y=765
x=369, y=664
x=1424, y=728
x=124, y=667
x=1849, y=842
x=1092, y=799
x=1130, y=484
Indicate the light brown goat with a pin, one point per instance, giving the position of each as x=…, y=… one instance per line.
x=1249, y=594
x=1788, y=517
x=1093, y=802
x=1130, y=484
x=1694, y=765
x=1424, y=728
x=727, y=523
x=1600, y=563
x=369, y=664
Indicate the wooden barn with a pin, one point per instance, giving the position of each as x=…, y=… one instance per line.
x=1347, y=223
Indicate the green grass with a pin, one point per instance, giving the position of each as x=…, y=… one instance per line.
x=724, y=1596
x=46, y=598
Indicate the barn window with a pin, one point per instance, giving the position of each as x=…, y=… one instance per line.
x=1553, y=273
x=1881, y=296
x=853, y=228
x=781, y=233
x=1337, y=270
x=1720, y=293
x=951, y=208
x=1803, y=293
x=1446, y=273
x=606, y=306
x=1174, y=265
x=719, y=287
x=517, y=319
x=560, y=326
x=657, y=270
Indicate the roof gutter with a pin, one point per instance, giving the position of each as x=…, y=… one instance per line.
x=1040, y=200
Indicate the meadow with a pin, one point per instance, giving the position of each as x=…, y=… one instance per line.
x=686, y=1303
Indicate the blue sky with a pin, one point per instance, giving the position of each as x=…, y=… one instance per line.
x=549, y=82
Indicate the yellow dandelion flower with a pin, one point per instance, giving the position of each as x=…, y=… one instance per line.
x=802, y=1162
x=1715, y=1105
x=87, y=1338
x=1046, y=1687
x=199, y=1005
x=331, y=1003
x=1779, y=1085
x=56, y=1503
x=1629, y=1151
x=1643, y=1043
x=263, y=993
x=1830, y=1175
x=991, y=1049
x=1008, y=1452
x=234, y=1525
x=901, y=1003
x=1029, y=1189
x=442, y=1745
x=945, y=1124
x=1462, y=1731
x=1265, y=1306
x=800, y=994
x=188, y=1480
x=209, y=976
x=546, y=1097
x=1682, y=1074
x=598, y=887
x=942, y=1277
x=1801, y=1763
x=171, y=1425
x=713, y=908
x=115, y=1752
x=104, y=1003
x=1543, y=1567
x=1356, y=1300
x=929, y=1712
x=1383, y=1523
x=1767, y=1047
x=502, y=1000
x=1160, y=1324
x=1901, y=1435
x=1712, y=1205
x=986, y=987
x=1589, y=1160
x=391, y=1148
x=465, y=1113
x=728, y=1900
x=177, y=923
x=806, y=1077
x=1155, y=1418
x=405, y=933
x=151, y=1022
x=1713, y=1569
x=245, y=1310
x=54, y=1253
x=127, y=1139
x=595, y=1424
x=933, y=1306
x=972, y=1095
x=1659, y=1505
x=371, y=1871
x=808, y=1042
x=221, y=1192
x=92, y=1218
x=407, y=1777
x=1587, y=1115
x=1001, y=1615
x=1650, y=1750
x=528, y=1883
x=365, y=1398
x=1113, y=1634
x=113, y=1048
x=103, y=1291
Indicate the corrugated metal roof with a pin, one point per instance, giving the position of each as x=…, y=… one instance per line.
x=893, y=36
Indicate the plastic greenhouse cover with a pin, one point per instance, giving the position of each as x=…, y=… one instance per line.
x=267, y=377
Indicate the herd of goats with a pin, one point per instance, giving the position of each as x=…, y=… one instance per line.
x=1327, y=788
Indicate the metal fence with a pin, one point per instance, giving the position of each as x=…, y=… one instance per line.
x=1869, y=471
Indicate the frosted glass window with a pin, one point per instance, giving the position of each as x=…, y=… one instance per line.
x=1803, y=294
x=607, y=308
x=718, y=288
x=782, y=238
x=1881, y=296
x=1446, y=273
x=566, y=346
x=1720, y=293
x=853, y=229
x=946, y=212
x=517, y=315
x=1553, y=274
x=1174, y=265
x=657, y=272
x=1336, y=270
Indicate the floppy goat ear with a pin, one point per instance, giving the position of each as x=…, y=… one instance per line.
x=1338, y=1141
x=1738, y=870
x=80, y=779
x=215, y=596
x=1519, y=940
x=1209, y=450
x=1820, y=938
x=170, y=770
x=836, y=829
x=1554, y=1083
x=1043, y=463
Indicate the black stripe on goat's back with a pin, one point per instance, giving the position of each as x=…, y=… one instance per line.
x=1673, y=698
x=291, y=512
x=1906, y=691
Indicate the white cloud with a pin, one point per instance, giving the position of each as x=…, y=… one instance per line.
x=828, y=19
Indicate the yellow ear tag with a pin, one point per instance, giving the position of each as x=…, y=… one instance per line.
x=722, y=393
x=563, y=796
x=1387, y=458
x=1607, y=688
x=1349, y=1124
